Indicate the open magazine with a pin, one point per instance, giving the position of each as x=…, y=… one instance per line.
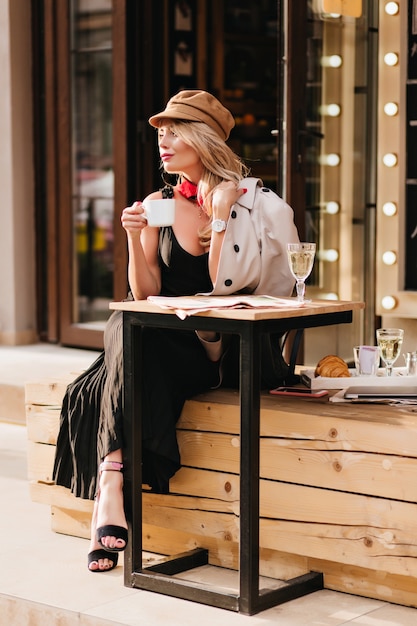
x=189, y=305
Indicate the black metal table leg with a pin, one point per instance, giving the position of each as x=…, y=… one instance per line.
x=249, y=469
x=132, y=367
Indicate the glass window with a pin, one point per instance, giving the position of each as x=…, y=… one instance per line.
x=92, y=159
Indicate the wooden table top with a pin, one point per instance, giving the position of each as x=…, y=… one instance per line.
x=315, y=307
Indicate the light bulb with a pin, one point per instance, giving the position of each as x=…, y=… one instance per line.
x=332, y=159
x=389, y=257
x=390, y=159
x=331, y=255
x=392, y=8
x=332, y=110
x=391, y=109
x=334, y=60
x=332, y=207
x=389, y=303
x=391, y=58
x=389, y=209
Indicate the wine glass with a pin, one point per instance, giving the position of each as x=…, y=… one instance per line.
x=301, y=259
x=389, y=341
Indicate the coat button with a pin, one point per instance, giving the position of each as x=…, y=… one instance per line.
x=265, y=189
x=236, y=248
x=233, y=214
x=228, y=282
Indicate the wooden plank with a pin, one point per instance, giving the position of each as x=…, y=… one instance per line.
x=47, y=391
x=219, y=485
x=306, y=462
x=381, y=429
x=40, y=459
x=71, y=522
x=384, y=475
x=368, y=547
x=58, y=496
x=42, y=423
x=172, y=541
x=348, y=427
x=212, y=451
x=363, y=546
x=368, y=583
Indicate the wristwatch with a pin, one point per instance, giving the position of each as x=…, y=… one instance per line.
x=218, y=226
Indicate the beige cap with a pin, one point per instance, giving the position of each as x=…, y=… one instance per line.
x=197, y=106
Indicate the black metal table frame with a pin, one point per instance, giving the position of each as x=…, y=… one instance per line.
x=159, y=578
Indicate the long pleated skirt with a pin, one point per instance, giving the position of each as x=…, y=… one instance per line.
x=91, y=422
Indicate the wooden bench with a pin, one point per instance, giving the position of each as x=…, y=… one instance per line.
x=338, y=488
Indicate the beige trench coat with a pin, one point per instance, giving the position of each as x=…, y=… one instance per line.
x=254, y=253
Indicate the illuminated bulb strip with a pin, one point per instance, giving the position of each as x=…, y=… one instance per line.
x=389, y=159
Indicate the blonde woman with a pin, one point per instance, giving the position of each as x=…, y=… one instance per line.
x=212, y=247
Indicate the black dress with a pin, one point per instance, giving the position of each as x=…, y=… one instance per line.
x=176, y=368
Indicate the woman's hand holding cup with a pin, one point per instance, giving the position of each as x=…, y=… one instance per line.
x=133, y=218
x=151, y=212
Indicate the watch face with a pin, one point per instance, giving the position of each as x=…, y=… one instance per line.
x=218, y=226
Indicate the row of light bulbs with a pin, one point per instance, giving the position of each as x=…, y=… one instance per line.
x=330, y=255
x=390, y=159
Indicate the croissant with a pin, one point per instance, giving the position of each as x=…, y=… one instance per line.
x=332, y=366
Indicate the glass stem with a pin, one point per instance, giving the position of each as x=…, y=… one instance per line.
x=389, y=370
x=300, y=290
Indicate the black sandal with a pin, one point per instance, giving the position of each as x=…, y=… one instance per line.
x=96, y=555
x=110, y=530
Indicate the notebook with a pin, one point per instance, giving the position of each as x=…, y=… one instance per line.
x=358, y=393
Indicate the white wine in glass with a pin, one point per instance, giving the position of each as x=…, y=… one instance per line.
x=301, y=260
x=389, y=341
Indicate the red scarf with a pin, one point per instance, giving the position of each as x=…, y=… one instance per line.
x=189, y=191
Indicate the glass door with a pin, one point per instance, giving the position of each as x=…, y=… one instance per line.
x=101, y=148
x=92, y=181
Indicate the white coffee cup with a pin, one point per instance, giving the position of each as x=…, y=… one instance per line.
x=160, y=212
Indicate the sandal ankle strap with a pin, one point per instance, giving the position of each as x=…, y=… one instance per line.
x=111, y=465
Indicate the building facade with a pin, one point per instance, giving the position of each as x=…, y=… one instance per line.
x=323, y=94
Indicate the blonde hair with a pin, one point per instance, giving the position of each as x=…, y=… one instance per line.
x=219, y=162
